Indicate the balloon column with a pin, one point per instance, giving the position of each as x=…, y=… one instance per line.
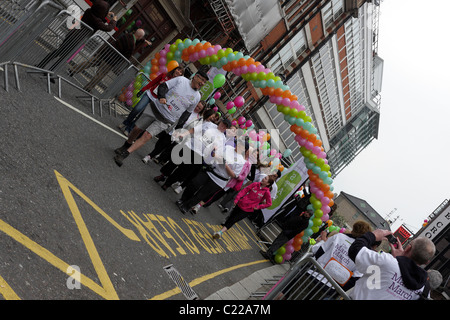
x=287, y=103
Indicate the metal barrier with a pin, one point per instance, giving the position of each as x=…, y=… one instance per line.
x=44, y=38
x=307, y=280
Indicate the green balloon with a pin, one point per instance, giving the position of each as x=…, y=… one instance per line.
x=278, y=258
x=232, y=110
x=219, y=80
x=281, y=250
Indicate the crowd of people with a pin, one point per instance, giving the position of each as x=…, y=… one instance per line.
x=204, y=159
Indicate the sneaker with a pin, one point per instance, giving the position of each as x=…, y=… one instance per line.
x=181, y=206
x=178, y=189
x=175, y=185
x=194, y=209
x=217, y=235
x=159, y=178
x=120, y=157
x=146, y=159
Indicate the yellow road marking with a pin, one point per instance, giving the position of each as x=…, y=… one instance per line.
x=202, y=279
x=6, y=291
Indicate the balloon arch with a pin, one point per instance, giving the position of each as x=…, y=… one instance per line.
x=287, y=103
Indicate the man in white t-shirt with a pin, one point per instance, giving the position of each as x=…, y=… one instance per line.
x=395, y=276
x=174, y=97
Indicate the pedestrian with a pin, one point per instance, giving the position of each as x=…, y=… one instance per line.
x=171, y=172
x=174, y=98
x=164, y=145
x=94, y=17
x=218, y=170
x=332, y=254
x=390, y=276
x=257, y=216
x=107, y=59
x=128, y=124
x=256, y=196
x=296, y=223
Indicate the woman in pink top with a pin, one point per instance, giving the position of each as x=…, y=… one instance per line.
x=254, y=196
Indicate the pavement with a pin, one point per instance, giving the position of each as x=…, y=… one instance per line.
x=75, y=226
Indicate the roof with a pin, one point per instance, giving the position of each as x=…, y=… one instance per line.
x=366, y=209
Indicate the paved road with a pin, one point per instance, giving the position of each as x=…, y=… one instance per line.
x=64, y=202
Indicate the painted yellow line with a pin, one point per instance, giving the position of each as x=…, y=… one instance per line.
x=202, y=279
x=6, y=291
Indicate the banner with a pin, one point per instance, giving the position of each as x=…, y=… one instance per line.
x=290, y=181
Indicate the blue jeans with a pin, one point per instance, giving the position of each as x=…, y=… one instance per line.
x=130, y=121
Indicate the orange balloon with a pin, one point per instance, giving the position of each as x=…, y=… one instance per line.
x=312, y=137
x=206, y=45
x=287, y=94
x=191, y=49
x=280, y=167
x=157, y=56
x=331, y=203
x=271, y=91
x=152, y=76
x=172, y=65
x=266, y=137
x=154, y=69
x=154, y=62
x=278, y=92
x=318, y=143
x=294, y=97
x=199, y=46
x=234, y=64
x=329, y=194
x=249, y=61
x=241, y=62
x=227, y=67
x=122, y=98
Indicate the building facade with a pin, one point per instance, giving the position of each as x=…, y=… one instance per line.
x=352, y=209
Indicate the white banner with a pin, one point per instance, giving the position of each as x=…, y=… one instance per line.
x=289, y=182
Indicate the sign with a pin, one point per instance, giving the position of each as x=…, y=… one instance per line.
x=208, y=87
x=290, y=181
x=402, y=234
x=437, y=225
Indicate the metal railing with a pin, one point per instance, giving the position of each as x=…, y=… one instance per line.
x=306, y=280
x=44, y=38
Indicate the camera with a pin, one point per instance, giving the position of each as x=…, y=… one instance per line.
x=392, y=239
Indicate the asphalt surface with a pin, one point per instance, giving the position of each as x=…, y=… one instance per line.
x=64, y=202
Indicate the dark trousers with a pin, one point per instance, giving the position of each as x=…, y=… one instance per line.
x=235, y=216
x=200, y=188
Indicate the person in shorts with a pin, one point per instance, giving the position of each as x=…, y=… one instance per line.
x=174, y=97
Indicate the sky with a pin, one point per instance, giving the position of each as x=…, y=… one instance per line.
x=408, y=167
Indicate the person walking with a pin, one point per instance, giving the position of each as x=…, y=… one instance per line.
x=128, y=124
x=390, y=276
x=174, y=98
x=94, y=17
x=255, y=196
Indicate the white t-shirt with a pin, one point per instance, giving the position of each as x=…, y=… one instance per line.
x=234, y=160
x=381, y=278
x=180, y=97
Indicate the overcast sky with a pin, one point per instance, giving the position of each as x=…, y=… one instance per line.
x=408, y=167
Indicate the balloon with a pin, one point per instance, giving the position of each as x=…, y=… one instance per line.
x=239, y=101
x=230, y=105
x=249, y=123
x=172, y=65
x=212, y=101
x=279, y=258
x=219, y=80
x=232, y=110
x=287, y=153
x=217, y=95
x=241, y=120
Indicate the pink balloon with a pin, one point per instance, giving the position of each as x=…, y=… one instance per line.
x=322, y=155
x=260, y=68
x=163, y=53
x=287, y=256
x=286, y=102
x=289, y=248
x=273, y=152
x=129, y=102
x=253, y=135
x=167, y=47
x=309, y=145
x=230, y=105
x=244, y=69
x=215, y=108
x=217, y=95
x=294, y=104
x=249, y=123
x=163, y=69
x=302, y=108
x=251, y=68
x=239, y=101
x=325, y=209
x=325, y=201
x=278, y=100
x=234, y=123
x=316, y=150
x=217, y=47
x=162, y=61
x=241, y=120
x=129, y=94
x=325, y=217
x=319, y=194
x=210, y=51
x=202, y=54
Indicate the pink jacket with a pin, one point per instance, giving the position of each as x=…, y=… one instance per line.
x=252, y=197
x=237, y=182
